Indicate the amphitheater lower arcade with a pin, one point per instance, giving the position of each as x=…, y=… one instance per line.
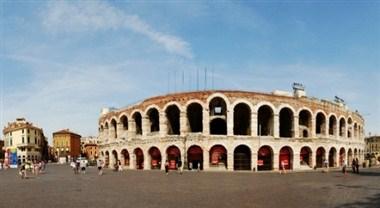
x=231, y=130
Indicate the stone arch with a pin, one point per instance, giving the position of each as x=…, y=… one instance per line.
x=355, y=130
x=170, y=104
x=286, y=158
x=195, y=157
x=349, y=127
x=154, y=119
x=333, y=125
x=139, y=158
x=320, y=123
x=124, y=121
x=125, y=157
x=173, y=155
x=265, y=158
x=349, y=157
x=342, y=126
x=265, y=120
x=286, y=115
x=137, y=118
x=306, y=156
x=218, y=115
x=320, y=156
x=332, y=157
x=172, y=113
x=194, y=113
x=114, y=127
x=242, y=119
x=220, y=95
x=107, y=159
x=355, y=153
x=115, y=158
x=342, y=156
x=304, y=122
x=242, y=158
x=218, y=156
x=155, y=158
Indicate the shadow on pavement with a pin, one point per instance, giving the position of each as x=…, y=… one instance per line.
x=369, y=202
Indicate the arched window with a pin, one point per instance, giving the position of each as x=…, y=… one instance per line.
x=218, y=116
x=332, y=125
x=138, y=123
x=286, y=122
x=124, y=121
x=304, y=121
x=114, y=128
x=265, y=121
x=320, y=126
x=195, y=117
x=154, y=120
x=242, y=119
x=172, y=115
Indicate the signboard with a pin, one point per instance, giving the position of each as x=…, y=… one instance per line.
x=260, y=162
x=285, y=162
x=12, y=157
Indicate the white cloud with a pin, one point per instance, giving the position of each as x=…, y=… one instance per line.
x=79, y=16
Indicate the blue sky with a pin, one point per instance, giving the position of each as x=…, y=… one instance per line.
x=62, y=61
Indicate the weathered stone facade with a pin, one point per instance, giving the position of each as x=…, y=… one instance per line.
x=231, y=130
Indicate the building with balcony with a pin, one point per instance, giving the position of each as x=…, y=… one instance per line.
x=66, y=145
x=89, y=146
x=232, y=130
x=23, y=142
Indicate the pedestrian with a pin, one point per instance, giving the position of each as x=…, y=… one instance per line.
x=199, y=166
x=353, y=165
x=99, y=164
x=357, y=165
x=190, y=165
x=326, y=163
x=77, y=165
x=83, y=166
x=73, y=166
x=119, y=166
x=179, y=167
x=283, y=167
x=344, y=171
x=22, y=171
x=167, y=167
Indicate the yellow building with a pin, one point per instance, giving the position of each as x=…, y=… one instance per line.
x=23, y=140
x=90, y=147
x=66, y=145
x=373, y=146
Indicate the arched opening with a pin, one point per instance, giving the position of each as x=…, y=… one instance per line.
x=242, y=158
x=173, y=156
x=320, y=127
x=115, y=157
x=342, y=127
x=355, y=130
x=304, y=122
x=355, y=153
x=195, y=117
x=320, y=157
x=286, y=158
x=332, y=125
x=107, y=159
x=138, y=123
x=342, y=155
x=172, y=116
x=265, y=121
x=218, y=126
x=286, y=122
x=306, y=157
x=218, y=116
x=242, y=119
x=114, y=128
x=332, y=157
x=349, y=127
x=154, y=120
x=139, y=155
x=265, y=158
x=106, y=128
x=195, y=158
x=155, y=158
x=124, y=122
x=125, y=157
x=349, y=159
x=218, y=156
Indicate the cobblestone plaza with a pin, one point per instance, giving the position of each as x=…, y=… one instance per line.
x=59, y=187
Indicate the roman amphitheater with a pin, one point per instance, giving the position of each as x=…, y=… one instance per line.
x=231, y=131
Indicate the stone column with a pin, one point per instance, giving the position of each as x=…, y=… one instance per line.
x=131, y=128
x=254, y=124
x=296, y=161
x=230, y=122
x=163, y=158
x=145, y=125
x=163, y=125
x=313, y=128
x=119, y=130
x=147, y=160
x=132, y=162
x=276, y=130
x=327, y=124
x=296, y=127
x=254, y=161
x=206, y=122
x=276, y=161
x=206, y=159
x=183, y=128
x=230, y=160
x=314, y=158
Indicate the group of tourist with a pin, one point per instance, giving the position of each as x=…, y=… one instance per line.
x=79, y=166
x=355, y=165
x=35, y=167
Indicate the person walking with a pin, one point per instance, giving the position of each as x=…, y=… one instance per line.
x=179, y=166
x=357, y=165
x=99, y=164
x=344, y=171
x=119, y=165
x=83, y=166
x=22, y=171
x=73, y=166
x=353, y=165
x=167, y=167
x=283, y=171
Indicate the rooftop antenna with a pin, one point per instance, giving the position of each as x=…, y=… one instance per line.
x=338, y=99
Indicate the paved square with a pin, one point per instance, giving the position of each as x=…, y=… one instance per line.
x=59, y=187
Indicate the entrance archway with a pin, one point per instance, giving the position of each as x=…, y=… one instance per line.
x=107, y=159
x=125, y=156
x=286, y=158
x=218, y=156
x=139, y=155
x=195, y=158
x=306, y=156
x=155, y=158
x=320, y=156
x=265, y=158
x=342, y=155
x=349, y=158
x=173, y=155
x=332, y=157
x=242, y=158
